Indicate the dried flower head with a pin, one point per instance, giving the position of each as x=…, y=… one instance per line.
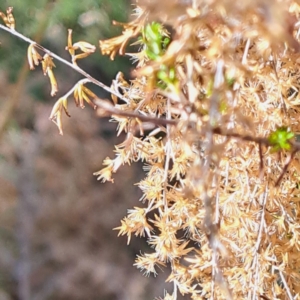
x=117, y=44
x=85, y=47
x=56, y=113
x=82, y=93
x=8, y=19
x=33, y=56
x=47, y=65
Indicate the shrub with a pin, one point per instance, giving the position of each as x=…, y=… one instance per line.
x=212, y=112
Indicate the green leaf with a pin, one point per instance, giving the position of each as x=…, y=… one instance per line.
x=279, y=139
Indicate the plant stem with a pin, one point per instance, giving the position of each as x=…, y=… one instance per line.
x=69, y=64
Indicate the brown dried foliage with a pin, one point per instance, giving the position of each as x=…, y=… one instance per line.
x=210, y=208
x=218, y=206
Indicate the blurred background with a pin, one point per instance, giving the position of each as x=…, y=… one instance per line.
x=56, y=219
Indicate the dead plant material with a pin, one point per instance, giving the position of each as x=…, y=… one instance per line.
x=220, y=200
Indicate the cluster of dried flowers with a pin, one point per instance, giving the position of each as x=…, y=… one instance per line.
x=213, y=114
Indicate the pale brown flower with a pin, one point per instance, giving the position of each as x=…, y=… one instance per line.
x=85, y=47
x=47, y=65
x=56, y=113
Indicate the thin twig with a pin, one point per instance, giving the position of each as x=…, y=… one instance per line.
x=286, y=285
x=249, y=138
x=82, y=81
x=168, y=148
x=101, y=104
x=286, y=167
x=57, y=57
x=175, y=290
x=16, y=90
x=244, y=59
x=108, y=108
x=262, y=220
x=261, y=160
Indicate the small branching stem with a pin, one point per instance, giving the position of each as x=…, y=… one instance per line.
x=70, y=92
x=102, y=104
x=174, y=290
x=261, y=160
x=168, y=149
x=286, y=167
x=109, y=108
x=69, y=64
